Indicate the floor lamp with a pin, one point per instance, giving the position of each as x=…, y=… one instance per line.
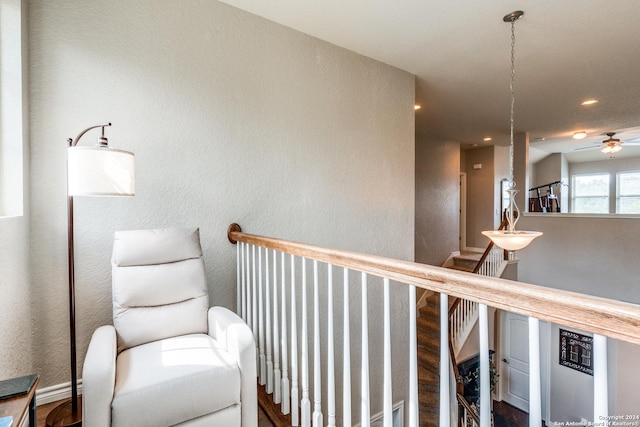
x=92, y=171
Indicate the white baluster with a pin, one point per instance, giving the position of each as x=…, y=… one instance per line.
x=485, y=388
x=365, y=410
x=317, y=385
x=249, y=296
x=413, y=360
x=277, y=380
x=284, y=407
x=331, y=380
x=388, y=389
x=535, y=402
x=346, y=359
x=600, y=379
x=268, y=322
x=238, y=281
x=294, y=348
x=254, y=306
x=445, y=419
x=305, y=404
x=263, y=362
x=254, y=297
x=244, y=284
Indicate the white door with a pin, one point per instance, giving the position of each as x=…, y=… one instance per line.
x=514, y=374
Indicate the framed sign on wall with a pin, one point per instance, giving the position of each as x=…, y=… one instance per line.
x=576, y=351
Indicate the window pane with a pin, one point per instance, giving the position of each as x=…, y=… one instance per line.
x=629, y=184
x=591, y=205
x=591, y=185
x=629, y=205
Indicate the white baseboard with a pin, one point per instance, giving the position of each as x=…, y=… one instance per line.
x=55, y=392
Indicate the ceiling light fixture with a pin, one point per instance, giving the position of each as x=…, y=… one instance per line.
x=589, y=102
x=417, y=107
x=510, y=239
x=579, y=135
x=611, y=145
x=487, y=139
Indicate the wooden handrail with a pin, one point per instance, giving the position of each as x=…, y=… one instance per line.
x=470, y=411
x=615, y=319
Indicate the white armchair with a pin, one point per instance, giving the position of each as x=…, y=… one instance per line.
x=168, y=359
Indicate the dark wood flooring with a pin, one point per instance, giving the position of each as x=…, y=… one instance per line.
x=270, y=416
x=506, y=415
x=43, y=410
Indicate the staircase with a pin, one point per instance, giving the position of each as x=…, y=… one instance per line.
x=462, y=317
x=428, y=330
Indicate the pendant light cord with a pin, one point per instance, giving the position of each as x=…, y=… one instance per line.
x=513, y=98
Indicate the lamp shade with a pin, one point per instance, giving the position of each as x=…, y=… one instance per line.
x=512, y=240
x=100, y=171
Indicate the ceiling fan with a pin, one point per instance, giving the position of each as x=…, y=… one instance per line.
x=611, y=145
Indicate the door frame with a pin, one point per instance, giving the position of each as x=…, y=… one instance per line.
x=463, y=212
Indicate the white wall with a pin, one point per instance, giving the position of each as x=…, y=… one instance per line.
x=232, y=119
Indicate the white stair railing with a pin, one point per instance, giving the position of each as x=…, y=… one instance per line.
x=602, y=317
x=464, y=316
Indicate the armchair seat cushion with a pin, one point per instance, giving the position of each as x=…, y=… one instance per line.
x=174, y=380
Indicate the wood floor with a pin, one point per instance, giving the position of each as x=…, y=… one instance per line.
x=43, y=410
x=270, y=416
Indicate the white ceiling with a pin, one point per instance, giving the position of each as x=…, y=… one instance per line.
x=566, y=51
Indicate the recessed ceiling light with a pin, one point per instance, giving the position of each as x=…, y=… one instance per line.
x=417, y=107
x=487, y=139
x=589, y=102
x=579, y=135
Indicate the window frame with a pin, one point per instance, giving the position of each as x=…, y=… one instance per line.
x=619, y=194
x=575, y=197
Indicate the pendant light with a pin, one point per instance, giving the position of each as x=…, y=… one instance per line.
x=510, y=239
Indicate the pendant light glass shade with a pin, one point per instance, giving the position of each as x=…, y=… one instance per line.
x=100, y=171
x=510, y=239
x=610, y=149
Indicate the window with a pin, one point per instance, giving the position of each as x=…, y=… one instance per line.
x=590, y=193
x=628, y=197
x=11, y=109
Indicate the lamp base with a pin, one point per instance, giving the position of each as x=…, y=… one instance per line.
x=63, y=416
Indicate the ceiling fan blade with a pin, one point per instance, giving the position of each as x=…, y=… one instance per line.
x=588, y=148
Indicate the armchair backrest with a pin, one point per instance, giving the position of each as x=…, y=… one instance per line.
x=159, y=285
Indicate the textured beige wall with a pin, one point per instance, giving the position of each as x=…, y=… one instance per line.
x=480, y=195
x=437, y=199
x=232, y=118
x=15, y=302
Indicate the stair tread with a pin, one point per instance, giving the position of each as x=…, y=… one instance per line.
x=471, y=256
x=461, y=268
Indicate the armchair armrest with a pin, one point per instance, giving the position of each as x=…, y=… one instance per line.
x=231, y=331
x=99, y=378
